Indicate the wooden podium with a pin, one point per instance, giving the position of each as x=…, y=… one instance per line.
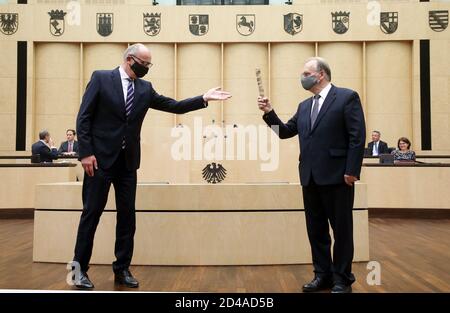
x=192, y=224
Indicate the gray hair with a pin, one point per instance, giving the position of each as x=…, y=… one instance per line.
x=376, y=131
x=43, y=133
x=321, y=65
x=133, y=49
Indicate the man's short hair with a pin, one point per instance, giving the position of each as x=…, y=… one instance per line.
x=132, y=50
x=321, y=65
x=43, y=133
x=376, y=131
x=71, y=130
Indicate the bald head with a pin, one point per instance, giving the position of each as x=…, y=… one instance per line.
x=137, y=57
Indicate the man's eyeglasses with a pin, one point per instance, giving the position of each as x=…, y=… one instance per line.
x=142, y=62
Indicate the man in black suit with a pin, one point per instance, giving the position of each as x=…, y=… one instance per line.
x=44, y=148
x=69, y=147
x=376, y=146
x=108, y=124
x=331, y=132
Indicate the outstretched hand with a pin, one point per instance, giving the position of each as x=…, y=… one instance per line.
x=216, y=94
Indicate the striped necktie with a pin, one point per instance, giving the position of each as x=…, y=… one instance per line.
x=129, y=102
x=130, y=97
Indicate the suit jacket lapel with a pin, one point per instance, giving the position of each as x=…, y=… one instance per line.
x=325, y=106
x=117, y=86
x=308, y=111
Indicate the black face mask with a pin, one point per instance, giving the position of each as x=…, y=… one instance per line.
x=139, y=69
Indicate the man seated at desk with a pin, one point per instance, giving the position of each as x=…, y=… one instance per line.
x=376, y=146
x=403, y=153
x=69, y=147
x=45, y=148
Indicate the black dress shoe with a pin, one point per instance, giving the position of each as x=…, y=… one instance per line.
x=317, y=284
x=341, y=288
x=82, y=281
x=125, y=278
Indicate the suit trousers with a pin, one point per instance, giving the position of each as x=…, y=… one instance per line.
x=324, y=206
x=95, y=196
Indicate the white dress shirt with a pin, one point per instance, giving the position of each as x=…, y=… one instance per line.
x=323, y=94
x=124, y=78
x=375, y=148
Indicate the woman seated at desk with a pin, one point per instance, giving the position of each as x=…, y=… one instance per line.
x=403, y=153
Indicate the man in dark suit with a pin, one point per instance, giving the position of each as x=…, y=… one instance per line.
x=108, y=124
x=44, y=148
x=376, y=146
x=331, y=132
x=69, y=147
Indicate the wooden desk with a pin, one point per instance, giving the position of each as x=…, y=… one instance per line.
x=407, y=186
x=18, y=181
x=408, y=164
x=192, y=224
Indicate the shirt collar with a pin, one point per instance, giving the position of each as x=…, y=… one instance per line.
x=123, y=74
x=323, y=94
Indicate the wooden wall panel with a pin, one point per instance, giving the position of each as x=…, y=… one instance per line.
x=8, y=80
x=389, y=94
x=57, y=83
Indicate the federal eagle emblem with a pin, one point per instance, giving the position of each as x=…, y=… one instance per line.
x=9, y=22
x=214, y=173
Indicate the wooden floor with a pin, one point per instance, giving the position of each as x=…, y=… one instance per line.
x=414, y=255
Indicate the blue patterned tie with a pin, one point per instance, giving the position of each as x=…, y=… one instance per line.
x=130, y=97
x=129, y=103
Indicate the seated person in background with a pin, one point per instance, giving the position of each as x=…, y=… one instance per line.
x=403, y=153
x=69, y=147
x=45, y=148
x=376, y=146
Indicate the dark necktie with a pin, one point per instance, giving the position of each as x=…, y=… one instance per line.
x=129, y=102
x=315, y=110
x=130, y=97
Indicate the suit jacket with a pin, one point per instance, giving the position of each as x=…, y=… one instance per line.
x=335, y=145
x=102, y=123
x=382, y=147
x=65, y=147
x=46, y=154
